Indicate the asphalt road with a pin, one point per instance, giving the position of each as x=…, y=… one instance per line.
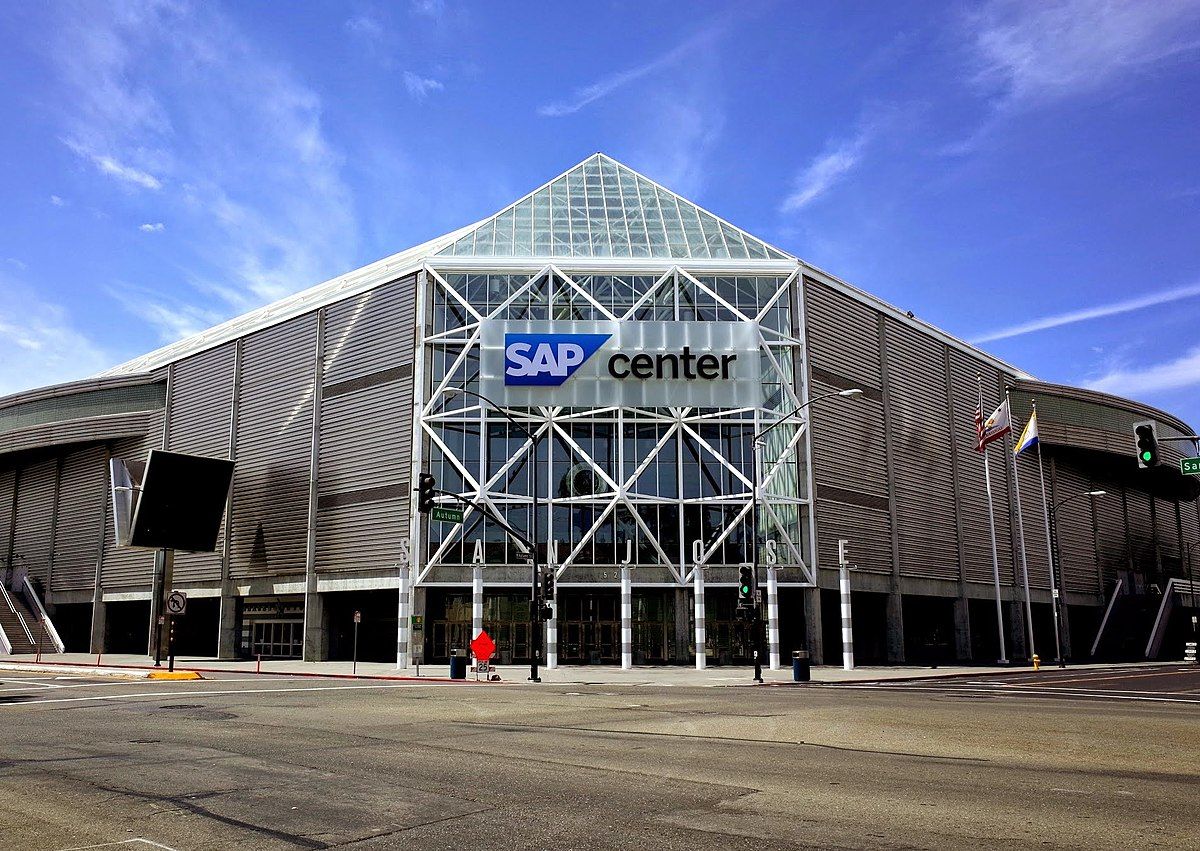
x=258, y=762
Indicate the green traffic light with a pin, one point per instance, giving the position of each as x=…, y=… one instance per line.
x=745, y=589
x=1146, y=456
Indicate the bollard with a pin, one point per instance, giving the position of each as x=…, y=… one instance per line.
x=258, y=665
x=1037, y=662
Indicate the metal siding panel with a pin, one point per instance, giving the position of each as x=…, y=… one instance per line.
x=365, y=438
x=868, y=529
x=1075, y=538
x=1141, y=532
x=274, y=440
x=361, y=537
x=8, y=482
x=79, y=431
x=848, y=446
x=923, y=476
x=81, y=501
x=201, y=407
x=842, y=334
x=372, y=332
x=1110, y=527
x=34, y=519
x=1168, y=531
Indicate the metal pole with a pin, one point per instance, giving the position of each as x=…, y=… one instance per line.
x=987, y=480
x=1056, y=583
x=698, y=601
x=354, y=664
x=1050, y=543
x=756, y=619
x=1024, y=557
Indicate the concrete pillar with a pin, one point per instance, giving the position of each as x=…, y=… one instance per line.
x=773, y=617
x=316, y=636
x=99, y=619
x=698, y=612
x=847, y=618
x=403, y=619
x=1018, y=640
x=962, y=629
x=476, y=600
x=626, y=620
x=552, y=637
x=814, y=636
x=227, y=639
x=895, y=629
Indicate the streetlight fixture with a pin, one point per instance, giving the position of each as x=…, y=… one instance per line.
x=1057, y=590
x=535, y=636
x=758, y=444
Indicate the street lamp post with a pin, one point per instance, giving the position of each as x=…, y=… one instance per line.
x=758, y=444
x=1191, y=576
x=1057, y=590
x=535, y=636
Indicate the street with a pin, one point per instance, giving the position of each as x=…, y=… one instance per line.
x=289, y=762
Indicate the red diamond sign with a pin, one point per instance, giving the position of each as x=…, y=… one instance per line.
x=483, y=647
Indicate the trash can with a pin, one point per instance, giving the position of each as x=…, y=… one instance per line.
x=801, y=671
x=458, y=664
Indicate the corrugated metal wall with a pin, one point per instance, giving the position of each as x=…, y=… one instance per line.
x=366, y=429
x=922, y=467
x=1168, y=529
x=1141, y=531
x=201, y=407
x=32, y=542
x=1075, y=531
x=81, y=509
x=274, y=439
x=848, y=446
x=1110, y=529
x=8, y=484
x=1037, y=551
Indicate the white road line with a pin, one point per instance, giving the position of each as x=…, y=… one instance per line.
x=27, y=685
x=1061, y=692
x=204, y=692
x=138, y=840
x=108, y=684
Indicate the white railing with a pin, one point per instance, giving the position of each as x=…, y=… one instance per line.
x=20, y=618
x=1107, y=611
x=1180, y=586
x=48, y=625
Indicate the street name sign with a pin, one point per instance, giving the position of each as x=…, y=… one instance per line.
x=1190, y=466
x=447, y=515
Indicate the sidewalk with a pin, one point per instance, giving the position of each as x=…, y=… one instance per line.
x=672, y=675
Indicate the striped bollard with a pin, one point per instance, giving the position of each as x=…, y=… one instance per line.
x=773, y=617
x=698, y=598
x=626, y=620
x=552, y=637
x=403, y=621
x=476, y=601
x=847, y=619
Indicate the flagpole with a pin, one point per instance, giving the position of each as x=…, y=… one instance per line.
x=1049, y=547
x=1021, y=535
x=987, y=480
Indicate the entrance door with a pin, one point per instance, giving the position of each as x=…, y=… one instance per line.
x=589, y=626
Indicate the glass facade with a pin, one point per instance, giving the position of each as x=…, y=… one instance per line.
x=616, y=485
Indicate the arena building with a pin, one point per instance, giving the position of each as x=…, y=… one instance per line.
x=695, y=337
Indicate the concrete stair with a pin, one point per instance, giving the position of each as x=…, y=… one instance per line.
x=20, y=624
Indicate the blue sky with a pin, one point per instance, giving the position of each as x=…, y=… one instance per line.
x=1026, y=175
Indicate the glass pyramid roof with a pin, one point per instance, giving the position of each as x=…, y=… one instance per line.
x=601, y=208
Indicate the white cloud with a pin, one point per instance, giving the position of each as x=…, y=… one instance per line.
x=1183, y=371
x=824, y=171
x=254, y=183
x=56, y=201
x=39, y=344
x=365, y=25
x=420, y=87
x=173, y=319
x=428, y=8
x=156, y=227
x=111, y=167
x=1035, y=52
x=1097, y=312
x=17, y=264
x=676, y=130
x=691, y=48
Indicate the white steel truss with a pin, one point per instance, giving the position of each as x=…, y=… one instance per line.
x=555, y=289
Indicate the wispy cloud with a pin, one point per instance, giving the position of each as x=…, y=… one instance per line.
x=56, y=201
x=1029, y=53
x=421, y=87
x=38, y=342
x=171, y=317
x=1086, y=313
x=824, y=171
x=255, y=181
x=110, y=166
x=156, y=227
x=16, y=263
x=364, y=25
x=1183, y=371
x=607, y=85
x=428, y=8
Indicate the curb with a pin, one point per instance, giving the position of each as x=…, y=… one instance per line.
x=66, y=668
x=150, y=672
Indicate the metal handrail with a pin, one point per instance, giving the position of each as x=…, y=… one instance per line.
x=47, y=624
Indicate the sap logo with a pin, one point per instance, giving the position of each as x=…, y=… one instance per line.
x=547, y=360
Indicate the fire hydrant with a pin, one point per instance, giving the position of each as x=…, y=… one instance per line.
x=1037, y=662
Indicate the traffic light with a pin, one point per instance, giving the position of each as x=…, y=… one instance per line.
x=425, y=485
x=1145, y=435
x=745, y=585
x=547, y=584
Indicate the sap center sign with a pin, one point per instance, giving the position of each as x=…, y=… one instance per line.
x=623, y=363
